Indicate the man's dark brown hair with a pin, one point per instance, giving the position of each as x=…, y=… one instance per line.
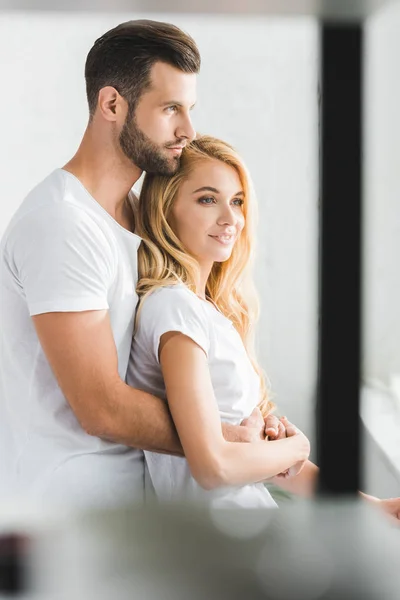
x=123, y=58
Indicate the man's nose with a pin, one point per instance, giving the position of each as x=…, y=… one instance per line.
x=186, y=129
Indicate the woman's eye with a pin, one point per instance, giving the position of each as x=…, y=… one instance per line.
x=238, y=201
x=206, y=200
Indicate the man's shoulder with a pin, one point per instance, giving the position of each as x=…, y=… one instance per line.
x=42, y=200
x=53, y=205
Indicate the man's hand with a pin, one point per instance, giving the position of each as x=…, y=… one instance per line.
x=251, y=429
x=255, y=426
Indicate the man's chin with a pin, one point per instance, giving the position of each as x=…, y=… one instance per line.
x=171, y=167
x=167, y=166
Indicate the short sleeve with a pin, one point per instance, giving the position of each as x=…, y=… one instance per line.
x=171, y=309
x=62, y=260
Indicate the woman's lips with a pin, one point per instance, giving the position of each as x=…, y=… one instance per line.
x=224, y=239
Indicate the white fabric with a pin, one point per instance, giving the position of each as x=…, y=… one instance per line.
x=61, y=252
x=236, y=386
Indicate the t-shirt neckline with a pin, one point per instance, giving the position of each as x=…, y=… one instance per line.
x=211, y=306
x=103, y=210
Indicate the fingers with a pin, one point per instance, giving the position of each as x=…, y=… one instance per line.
x=281, y=431
x=273, y=427
x=277, y=429
x=289, y=427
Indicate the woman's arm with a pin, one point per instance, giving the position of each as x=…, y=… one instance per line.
x=304, y=484
x=214, y=461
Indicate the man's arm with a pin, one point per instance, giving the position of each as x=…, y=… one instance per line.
x=82, y=354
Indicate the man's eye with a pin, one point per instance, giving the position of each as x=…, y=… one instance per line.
x=171, y=109
x=206, y=200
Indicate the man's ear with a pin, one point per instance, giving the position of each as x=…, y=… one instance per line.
x=111, y=104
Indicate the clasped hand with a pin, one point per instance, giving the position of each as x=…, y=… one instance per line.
x=272, y=428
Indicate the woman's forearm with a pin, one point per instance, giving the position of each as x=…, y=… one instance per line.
x=304, y=484
x=241, y=464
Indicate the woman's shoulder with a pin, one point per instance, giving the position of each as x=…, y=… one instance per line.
x=172, y=308
x=178, y=294
x=171, y=299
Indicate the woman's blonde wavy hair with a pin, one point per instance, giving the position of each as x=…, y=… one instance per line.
x=164, y=261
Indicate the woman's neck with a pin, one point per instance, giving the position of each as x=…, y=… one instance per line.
x=201, y=285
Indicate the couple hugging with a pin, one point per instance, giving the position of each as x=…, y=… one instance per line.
x=89, y=417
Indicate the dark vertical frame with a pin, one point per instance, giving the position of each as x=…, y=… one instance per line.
x=338, y=422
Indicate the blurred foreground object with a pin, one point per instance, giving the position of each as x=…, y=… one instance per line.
x=13, y=563
x=316, y=550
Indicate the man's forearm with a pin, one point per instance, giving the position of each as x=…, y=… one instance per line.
x=138, y=419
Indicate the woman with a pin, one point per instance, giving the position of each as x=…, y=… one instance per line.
x=192, y=342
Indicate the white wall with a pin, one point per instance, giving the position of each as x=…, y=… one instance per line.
x=257, y=89
x=382, y=196
x=382, y=245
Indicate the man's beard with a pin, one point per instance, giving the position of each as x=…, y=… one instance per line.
x=144, y=153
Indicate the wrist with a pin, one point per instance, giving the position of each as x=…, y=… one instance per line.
x=303, y=447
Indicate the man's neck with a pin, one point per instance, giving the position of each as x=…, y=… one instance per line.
x=108, y=177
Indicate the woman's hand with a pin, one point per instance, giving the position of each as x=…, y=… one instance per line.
x=391, y=506
x=277, y=429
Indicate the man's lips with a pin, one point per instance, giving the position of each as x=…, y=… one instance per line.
x=176, y=149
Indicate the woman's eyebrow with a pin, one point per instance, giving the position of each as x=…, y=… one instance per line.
x=208, y=188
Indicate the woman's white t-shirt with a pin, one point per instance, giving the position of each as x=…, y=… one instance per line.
x=236, y=386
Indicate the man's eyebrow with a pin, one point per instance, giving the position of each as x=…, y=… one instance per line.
x=171, y=102
x=208, y=188
x=175, y=103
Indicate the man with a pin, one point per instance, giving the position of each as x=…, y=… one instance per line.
x=70, y=427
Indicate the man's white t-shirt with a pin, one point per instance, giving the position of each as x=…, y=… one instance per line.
x=62, y=252
x=235, y=383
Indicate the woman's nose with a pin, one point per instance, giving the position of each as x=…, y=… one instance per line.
x=227, y=217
